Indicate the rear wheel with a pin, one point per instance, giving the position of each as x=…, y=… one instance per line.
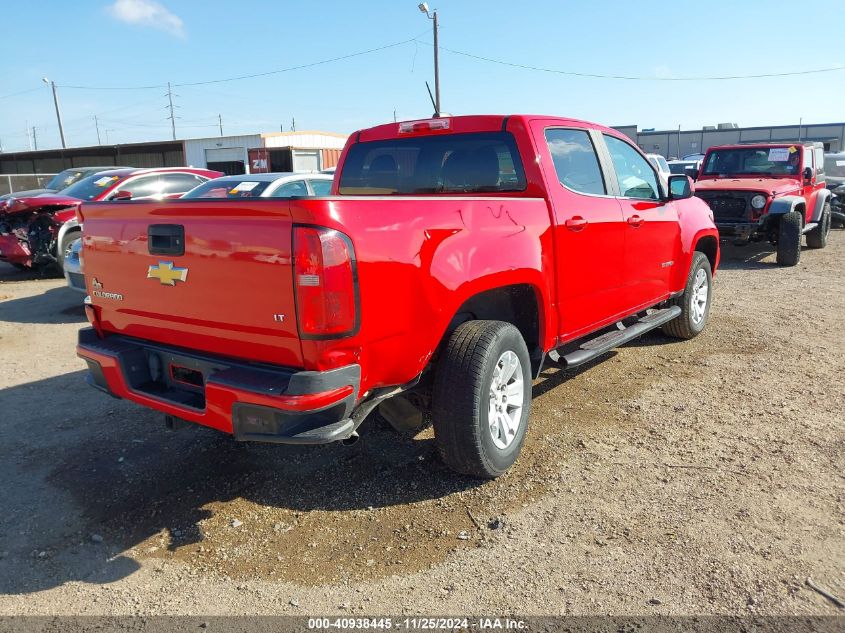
x=817, y=238
x=694, y=302
x=789, y=239
x=482, y=398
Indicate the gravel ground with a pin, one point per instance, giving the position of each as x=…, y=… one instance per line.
x=670, y=478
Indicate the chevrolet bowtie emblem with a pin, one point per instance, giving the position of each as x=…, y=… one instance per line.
x=167, y=274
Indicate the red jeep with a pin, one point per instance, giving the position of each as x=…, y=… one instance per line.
x=768, y=191
x=454, y=258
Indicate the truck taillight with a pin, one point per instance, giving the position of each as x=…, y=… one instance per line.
x=325, y=283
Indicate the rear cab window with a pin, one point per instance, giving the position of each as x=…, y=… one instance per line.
x=575, y=160
x=485, y=162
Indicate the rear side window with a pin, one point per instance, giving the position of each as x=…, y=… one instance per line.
x=321, y=187
x=294, y=189
x=144, y=187
x=575, y=160
x=229, y=188
x=452, y=163
x=819, y=161
x=634, y=173
x=179, y=183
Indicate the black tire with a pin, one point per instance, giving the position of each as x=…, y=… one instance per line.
x=817, y=238
x=789, y=239
x=461, y=398
x=69, y=238
x=690, y=323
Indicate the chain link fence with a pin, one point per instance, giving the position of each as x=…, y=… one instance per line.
x=10, y=183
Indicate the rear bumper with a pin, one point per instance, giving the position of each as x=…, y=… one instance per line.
x=252, y=402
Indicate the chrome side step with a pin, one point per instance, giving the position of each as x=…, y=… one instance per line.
x=595, y=347
x=809, y=227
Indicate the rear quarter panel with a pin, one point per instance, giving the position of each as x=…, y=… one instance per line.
x=419, y=260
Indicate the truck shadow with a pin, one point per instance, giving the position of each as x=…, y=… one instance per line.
x=93, y=477
x=56, y=305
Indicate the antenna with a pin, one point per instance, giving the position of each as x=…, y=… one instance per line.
x=430, y=96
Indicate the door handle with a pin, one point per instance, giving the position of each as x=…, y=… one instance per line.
x=575, y=223
x=635, y=220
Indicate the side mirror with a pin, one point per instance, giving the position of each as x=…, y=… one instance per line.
x=122, y=195
x=808, y=173
x=680, y=187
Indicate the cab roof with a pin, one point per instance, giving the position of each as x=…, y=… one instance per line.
x=122, y=172
x=472, y=123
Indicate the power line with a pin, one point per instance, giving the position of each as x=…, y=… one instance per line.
x=22, y=92
x=254, y=75
x=634, y=77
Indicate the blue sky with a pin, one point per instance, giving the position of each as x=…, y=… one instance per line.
x=118, y=43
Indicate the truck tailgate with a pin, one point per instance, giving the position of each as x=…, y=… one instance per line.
x=229, y=293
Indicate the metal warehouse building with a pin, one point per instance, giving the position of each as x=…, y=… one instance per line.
x=677, y=143
x=251, y=153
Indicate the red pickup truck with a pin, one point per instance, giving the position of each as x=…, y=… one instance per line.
x=453, y=258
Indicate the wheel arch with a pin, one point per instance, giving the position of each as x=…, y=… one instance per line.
x=709, y=245
x=520, y=304
x=788, y=204
x=68, y=227
x=822, y=197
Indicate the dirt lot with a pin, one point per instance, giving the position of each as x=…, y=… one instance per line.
x=699, y=477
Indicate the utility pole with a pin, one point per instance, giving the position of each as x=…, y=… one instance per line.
x=293, y=125
x=172, y=117
x=220, y=122
x=97, y=125
x=800, y=126
x=679, y=140
x=34, y=138
x=28, y=136
x=394, y=115
x=58, y=111
x=432, y=15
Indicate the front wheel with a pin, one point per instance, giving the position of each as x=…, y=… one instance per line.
x=789, y=239
x=63, y=249
x=482, y=398
x=817, y=238
x=694, y=302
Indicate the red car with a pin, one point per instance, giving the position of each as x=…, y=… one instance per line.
x=36, y=231
x=453, y=259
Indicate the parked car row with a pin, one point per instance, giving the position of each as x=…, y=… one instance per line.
x=270, y=185
x=38, y=228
